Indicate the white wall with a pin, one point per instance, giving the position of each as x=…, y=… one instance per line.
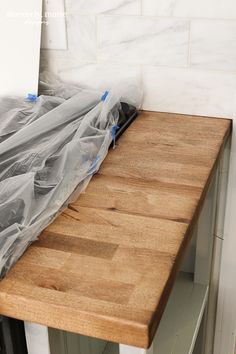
x=184, y=51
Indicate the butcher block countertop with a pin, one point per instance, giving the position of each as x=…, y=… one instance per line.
x=106, y=266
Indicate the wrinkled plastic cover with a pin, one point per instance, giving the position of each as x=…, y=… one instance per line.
x=49, y=150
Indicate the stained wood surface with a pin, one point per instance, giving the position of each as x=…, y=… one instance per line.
x=106, y=266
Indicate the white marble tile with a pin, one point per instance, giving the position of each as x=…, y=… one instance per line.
x=189, y=91
x=97, y=76
x=158, y=7
x=81, y=34
x=124, y=80
x=143, y=40
x=190, y=8
x=48, y=62
x=213, y=44
x=81, y=39
x=125, y=7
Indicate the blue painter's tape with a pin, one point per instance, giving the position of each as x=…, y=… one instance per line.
x=32, y=98
x=113, y=134
x=104, y=96
x=113, y=131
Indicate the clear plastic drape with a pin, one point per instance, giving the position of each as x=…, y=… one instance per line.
x=49, y=149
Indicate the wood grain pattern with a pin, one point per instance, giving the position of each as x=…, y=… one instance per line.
x=105, y=267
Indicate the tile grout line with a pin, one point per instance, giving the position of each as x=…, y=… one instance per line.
x=96, y=29
x=137, y=64
x=186, y=18
x=189, y=44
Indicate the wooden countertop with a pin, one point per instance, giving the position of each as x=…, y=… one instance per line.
x=106, y=266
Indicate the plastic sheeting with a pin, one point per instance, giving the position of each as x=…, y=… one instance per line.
x=49, y=150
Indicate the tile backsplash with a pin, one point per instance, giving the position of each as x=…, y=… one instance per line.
x=121, y=7
x=182, y=51
x=191, y=8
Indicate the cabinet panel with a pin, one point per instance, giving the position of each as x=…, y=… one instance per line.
x=62, y=342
